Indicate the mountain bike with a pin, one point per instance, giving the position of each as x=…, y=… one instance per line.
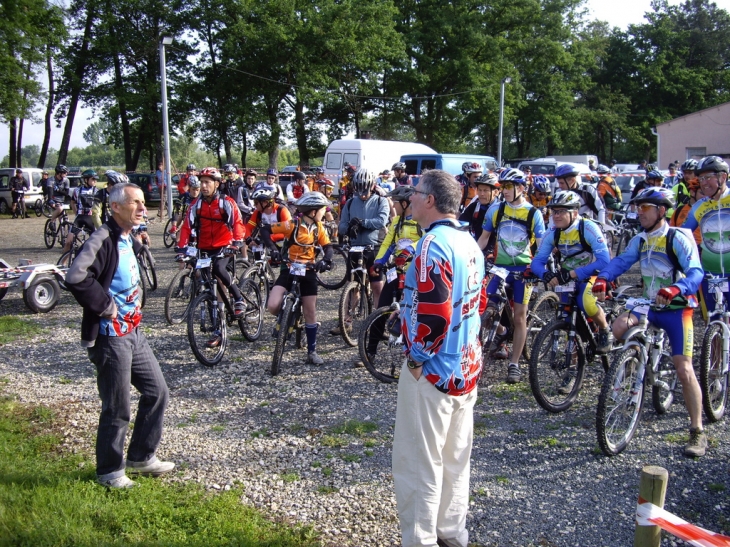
x=146, y=261
x=260, y=272
x=211, y=313
x=561, y=351
x=627, y=226
x=715, y=352
x=56, y=229
x=69, y=256
x=356, y=301
x=380, y=342
x=169, y=237
x=336, y=277
x=290, y=320
x=539, y=313
x=183, y=288
x=643, y=361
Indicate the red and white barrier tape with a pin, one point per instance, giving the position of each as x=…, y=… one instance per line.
x=648, y=514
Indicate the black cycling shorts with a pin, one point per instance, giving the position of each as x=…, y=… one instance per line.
x=307, y=283
x=369, y=260
x=83, y=221
x=17, y=196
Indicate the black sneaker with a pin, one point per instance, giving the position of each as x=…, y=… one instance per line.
x=513, y=373
x=604, y=341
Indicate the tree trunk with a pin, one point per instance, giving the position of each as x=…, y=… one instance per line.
x=244, y=149
x=49, y=110
x=124, y=118
x=13, y=144
x=79, y=73
x=227, y=146
x=300, y=131
x=19, y=148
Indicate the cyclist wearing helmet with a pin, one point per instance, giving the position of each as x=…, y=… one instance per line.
x=61, y=187
x=18, y=186
x=186, y=199
x=182, y=183
x=684, y=179
x=213, y=222
x=46, y=185
x=487, y=192
x=229, y=182
x=272, y=179
x=539, y=195
x=361, y=219
x=112, y=178
x=709, y=214
x=400, y=177
x=303, y=236
x=671, y=274
x=579, y=248
x=568, y=178
x=297, y=188
x=519, y=230
x=608, y=189
x=267, y=211
x=83, y=200
x=471, y=171
x=383, y=181
x=682, y=211
x=348, y=173
x=671, y=179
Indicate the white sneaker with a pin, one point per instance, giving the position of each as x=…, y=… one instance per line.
x=154, y=468
x=119, y=482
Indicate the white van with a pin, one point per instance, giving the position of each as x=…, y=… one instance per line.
x=31, y=175
x=367, y=153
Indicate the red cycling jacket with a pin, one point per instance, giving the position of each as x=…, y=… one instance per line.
x=215, y=224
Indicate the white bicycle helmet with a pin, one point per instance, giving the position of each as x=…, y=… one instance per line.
x=311, y=201
x=363, y=181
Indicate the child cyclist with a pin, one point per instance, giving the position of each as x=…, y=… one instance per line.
x=267, y=212
x=303, y=236
x=672, y=273
x=581, y=249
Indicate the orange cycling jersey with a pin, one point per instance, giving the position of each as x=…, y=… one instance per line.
x=302, y=244
x=678, y=218
x=540, y=204
x=279, y=213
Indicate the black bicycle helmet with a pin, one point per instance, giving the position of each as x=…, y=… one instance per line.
x=191, y=167
x=402, y=193
x=112, y=178
x=61, y=169
x=362, y=181
x=311, y=201
x=689, y=165
x=711, y=164
x=298, y=175
x=564, y=199
x=657, y=196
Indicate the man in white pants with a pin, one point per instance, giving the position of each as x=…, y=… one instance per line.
x=443, y=299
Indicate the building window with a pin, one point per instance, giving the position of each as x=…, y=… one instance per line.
x=696, y=153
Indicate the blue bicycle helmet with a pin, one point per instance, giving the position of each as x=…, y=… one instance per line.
x=654, y=174
x=566, y=170
x=541, y=184
x=513, y=175
x=657, y=196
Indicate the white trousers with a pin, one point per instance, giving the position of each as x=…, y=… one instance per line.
x=431, y=451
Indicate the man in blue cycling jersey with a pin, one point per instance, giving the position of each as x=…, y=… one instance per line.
x=671, y=276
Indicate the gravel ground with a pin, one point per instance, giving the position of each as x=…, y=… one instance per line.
x=537, y=478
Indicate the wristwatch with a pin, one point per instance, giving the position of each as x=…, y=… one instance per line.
x=412, y=364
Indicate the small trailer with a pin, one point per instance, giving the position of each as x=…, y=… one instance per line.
x=41, y=283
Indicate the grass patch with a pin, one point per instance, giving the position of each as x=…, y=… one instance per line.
x=351, y=458
x=680, y=438
x=370, y=443
x=290, y=477
x=519, y=431
x=333, y=442
x=480, y=429
x=51, y=499
x=12, y=328
x=369, y=453
x=326, y=489
x=218, y=428
x=327, y=471
x=316, y=464
x=260, y=433
x=64, y=380
x=355, y=427
x=501, y=479
x=716, y=487
x=550, y=442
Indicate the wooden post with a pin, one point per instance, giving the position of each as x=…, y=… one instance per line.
x=652, y=488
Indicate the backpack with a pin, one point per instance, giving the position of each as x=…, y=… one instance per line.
x=585, y=247
x=288, y=242
x=527, y=223
x=221, y=207
x=588, y=198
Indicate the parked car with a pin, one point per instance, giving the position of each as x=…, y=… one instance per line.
x=31, y=175
x=626, y=182
x=148, y=183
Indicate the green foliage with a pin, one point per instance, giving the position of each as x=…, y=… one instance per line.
x=49, y=499
x=355, y=427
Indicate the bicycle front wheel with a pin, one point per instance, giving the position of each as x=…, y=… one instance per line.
x=46, y=209
x=340, y=272
x=285, y=321
x=49, y=234
x=38, y=207
x=620, y=402
x=168, y=237
x=253, y=274
x=355, y=307
x=661, y=397
x=381, y=352
x=713, y=381
x=63, y=233
x=541, y=312
x=557, y=367
x=147, y=267
x=252, y=322
x=179, y=295
x=207, y=332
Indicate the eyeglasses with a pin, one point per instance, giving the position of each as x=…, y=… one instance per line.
x=508, y=186
x=421, y=192
x=560, y=212
x=644, y=207
x=707, y=178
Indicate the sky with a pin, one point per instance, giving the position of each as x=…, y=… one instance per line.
x=619, y=13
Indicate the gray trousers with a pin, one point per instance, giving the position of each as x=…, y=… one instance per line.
x=122, y=361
